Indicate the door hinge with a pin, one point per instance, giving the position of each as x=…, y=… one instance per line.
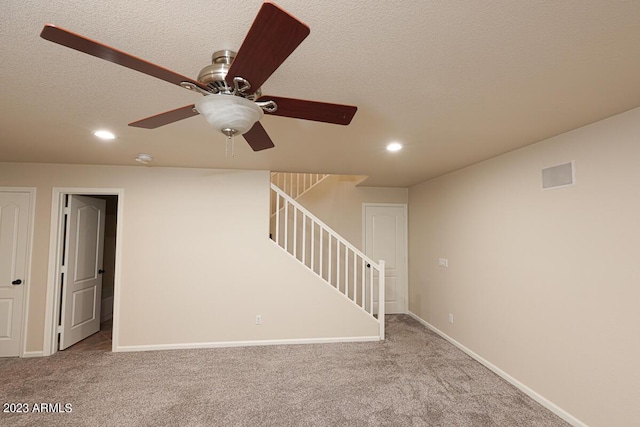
x=59, y=329
x=67, y=210
x=63, y=269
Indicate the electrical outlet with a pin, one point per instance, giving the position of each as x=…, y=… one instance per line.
x=443, y=262
x=450, y=317
x=258, y=319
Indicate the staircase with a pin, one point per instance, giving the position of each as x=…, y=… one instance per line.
x=327, y=254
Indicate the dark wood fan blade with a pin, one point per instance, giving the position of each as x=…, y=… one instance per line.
x=99, y=50
x=312, y=110
x=166, y=118
x=272, y=37
x=257, y=138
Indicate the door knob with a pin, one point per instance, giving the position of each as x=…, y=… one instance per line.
x=100, y=271
x=17, y=282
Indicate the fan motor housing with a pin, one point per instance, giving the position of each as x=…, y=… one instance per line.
x=214, y=75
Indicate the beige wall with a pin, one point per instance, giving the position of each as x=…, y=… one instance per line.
x=337, y=201
x=543, y=284
x=197, y=265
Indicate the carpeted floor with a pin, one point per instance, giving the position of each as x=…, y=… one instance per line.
x=414, y=378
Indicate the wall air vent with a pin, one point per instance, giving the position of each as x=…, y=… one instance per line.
x=558, y=176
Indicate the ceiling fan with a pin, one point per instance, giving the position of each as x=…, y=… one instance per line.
x=233, y=102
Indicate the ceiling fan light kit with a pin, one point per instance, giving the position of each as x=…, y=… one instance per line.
x=229, y=114
x=233, y=102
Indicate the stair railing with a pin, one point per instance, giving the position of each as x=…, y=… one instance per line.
x=296, y=184
x=328, y=255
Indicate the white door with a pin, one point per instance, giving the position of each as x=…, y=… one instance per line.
x=82, y=272
x=14, y=223
x=385, y=239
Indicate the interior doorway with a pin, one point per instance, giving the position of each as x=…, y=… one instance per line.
x=83, y=269
x=385, y=237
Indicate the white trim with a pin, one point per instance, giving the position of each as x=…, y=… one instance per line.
x=33, y=354
x=51, y=309
x=404, y=206
x=526, y=390
x=53, y=288
x=27, y=274
x=182, y=346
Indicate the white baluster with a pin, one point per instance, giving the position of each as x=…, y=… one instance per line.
x=278, y=218
x=337, y=264
x=355, y=277
x=363, y=279
x=313, y=245
x=321, y=252
x=286, y=225
x=295, y=231
x=329, y=277
x=304, y=239
x=346, y=271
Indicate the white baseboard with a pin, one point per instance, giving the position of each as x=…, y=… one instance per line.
x=33, y=354
x=153, y=347
x=106, y=309
x=529, y=392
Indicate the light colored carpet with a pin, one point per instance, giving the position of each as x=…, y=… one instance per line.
x=414, y=378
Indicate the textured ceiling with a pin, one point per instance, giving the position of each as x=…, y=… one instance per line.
x=456, y=82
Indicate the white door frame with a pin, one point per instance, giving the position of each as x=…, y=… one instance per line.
x=405, y=271
x=56, y=238
x=27, y=277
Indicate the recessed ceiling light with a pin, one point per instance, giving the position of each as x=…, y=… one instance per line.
x=104, y=134
x=394, y=146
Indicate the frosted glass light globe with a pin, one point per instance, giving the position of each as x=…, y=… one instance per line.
x=229, y=114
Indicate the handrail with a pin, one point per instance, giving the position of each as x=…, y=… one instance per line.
x=331, y=257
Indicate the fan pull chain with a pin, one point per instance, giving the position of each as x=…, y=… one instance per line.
x=230, y=138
